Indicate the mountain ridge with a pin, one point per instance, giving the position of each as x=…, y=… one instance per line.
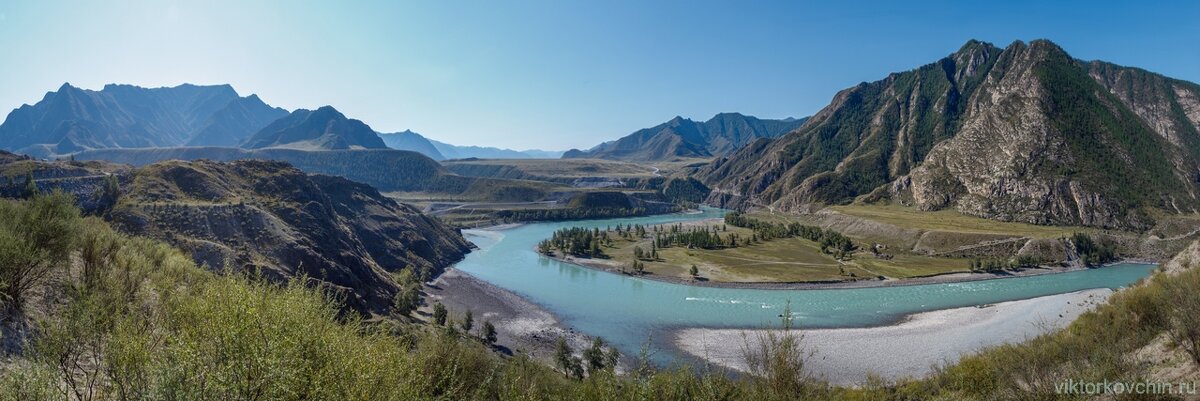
x=323, y=128
x=73, y=119
x=685, y=138
x=1024, y=133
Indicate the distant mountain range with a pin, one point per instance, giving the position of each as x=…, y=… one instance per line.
x=71, y=120
x=1022, y=133
x=684, y=138
x=412, y=141
x=436, y=150
x=238, y=120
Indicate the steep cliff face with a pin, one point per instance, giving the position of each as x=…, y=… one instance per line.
x=1024, y=133
x=269, y=216
x=869, y=135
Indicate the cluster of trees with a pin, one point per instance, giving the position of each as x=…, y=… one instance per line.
x=595, y=359
x=441, y=317
x=1000, y=264
x=638, y=266
x=577, y=241
x=25, y=188
x=830, y=241
x=694, y=237
x=1094, y=252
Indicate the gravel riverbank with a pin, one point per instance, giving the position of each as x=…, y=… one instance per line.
x=521, y=326
x=906, y=349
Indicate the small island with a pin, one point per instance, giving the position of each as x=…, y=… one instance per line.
x=840, y=246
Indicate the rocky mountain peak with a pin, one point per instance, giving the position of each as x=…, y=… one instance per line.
x=1026, y=133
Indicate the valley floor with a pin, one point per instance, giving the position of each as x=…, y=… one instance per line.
x=911, y=348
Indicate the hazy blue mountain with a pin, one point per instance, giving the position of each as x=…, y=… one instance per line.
x=543, y=154
x=482, y=152
x=235, y=122
x=437, y=150
x=72, y=119
x=413, y=141
x=682, y=137
x=324, y=128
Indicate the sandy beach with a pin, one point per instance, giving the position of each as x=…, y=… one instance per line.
x=909, y=348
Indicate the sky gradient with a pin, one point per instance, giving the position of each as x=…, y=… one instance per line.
x=550, y=74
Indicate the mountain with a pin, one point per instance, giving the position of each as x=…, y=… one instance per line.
x=436, y=150
x=413, y=141
x=540, y=154
x=71, y=119
x=260, y=216
x=482, y=152
x=323, y=128
x=235, y=122
x=1024, y=133
x=273, y=218
x=683, y=137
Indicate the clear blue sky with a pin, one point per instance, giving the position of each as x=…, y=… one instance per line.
x=550, y=74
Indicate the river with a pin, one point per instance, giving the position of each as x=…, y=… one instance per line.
x=627, y=310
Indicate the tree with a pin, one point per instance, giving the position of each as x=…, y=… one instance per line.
x=439, y=314
x=406, y=300
x=108, y=194
x=468, y=322
x=640, y=267
x=638, y=253
x=31, y=188
x=594, y=356
x=489, y=332
x=612, y=357
x=565, y=359
x=695, y=271
x=36, y=239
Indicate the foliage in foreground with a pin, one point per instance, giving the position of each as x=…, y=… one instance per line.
x=131, y=318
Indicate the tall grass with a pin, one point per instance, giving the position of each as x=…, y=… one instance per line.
x=132, y=318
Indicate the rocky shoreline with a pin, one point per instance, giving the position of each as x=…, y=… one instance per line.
x=521, y=325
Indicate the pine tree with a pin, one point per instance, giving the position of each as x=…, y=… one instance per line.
x=489, y=332
x=468, y=322
x=439, y=314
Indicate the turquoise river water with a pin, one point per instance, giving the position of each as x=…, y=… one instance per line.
x=627, y=310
